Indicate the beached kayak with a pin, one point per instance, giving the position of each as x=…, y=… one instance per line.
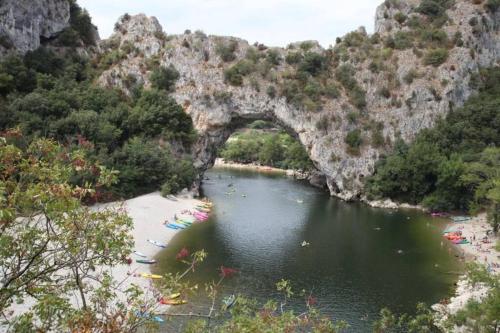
x=146, y=261
x=151, y=276
x=159, y=244
x=173, y=301
x=140, y=254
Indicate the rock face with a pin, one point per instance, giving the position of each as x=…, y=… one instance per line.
x=217, y=107
x=23, y=23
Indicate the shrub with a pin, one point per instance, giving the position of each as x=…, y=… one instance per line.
x=313, y=63
x=271, y=91
x=400, y=17
x=164, y=78
x=431, y=8
x=353, y=140
x=402, y=40
x=436, y=57
x=226, y=50
x=293, y=58
x=273, y=57
x=234, y=74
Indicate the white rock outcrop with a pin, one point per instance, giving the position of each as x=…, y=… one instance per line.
x=24, y=23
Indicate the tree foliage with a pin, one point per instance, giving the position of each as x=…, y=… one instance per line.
x=267, y=148
x=454, y=165
x=51, y=244
x=49, y=95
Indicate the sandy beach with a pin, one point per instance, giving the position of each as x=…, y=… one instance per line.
x=481, y=249
x=482, y=245
x=149, y=213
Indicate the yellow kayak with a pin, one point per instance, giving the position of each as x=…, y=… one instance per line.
x=173, y=296
x=151, y=276
x=173, y=301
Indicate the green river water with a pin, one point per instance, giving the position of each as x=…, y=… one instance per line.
x=359, y=260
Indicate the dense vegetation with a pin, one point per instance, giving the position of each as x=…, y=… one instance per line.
x=455, y=165
x=271, y=148
x=50, y=95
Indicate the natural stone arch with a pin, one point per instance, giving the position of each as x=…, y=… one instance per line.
x=213, y=104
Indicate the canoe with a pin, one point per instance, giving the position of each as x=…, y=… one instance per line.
x=151, y=276
x=172, y=226
x=146, y=261
x=171, y=197
x=173, y=296
x=184, y=223
x=189, y=220
x=172, y=301
x=178, y=225
x=140, y=254
x=200, y=214
x=159, y=244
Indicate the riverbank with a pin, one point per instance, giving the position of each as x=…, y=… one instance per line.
x=481, y=250
x=220, y=163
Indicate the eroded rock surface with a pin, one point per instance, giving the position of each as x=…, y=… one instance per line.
x=24, y=23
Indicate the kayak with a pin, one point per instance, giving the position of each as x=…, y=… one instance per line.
x=173, y=296
x=204, y=210
x=172, y=226
x=159, y=244
x=173, y=301
x=140, y=254
x=178, y=225
x=151, y=276
x=188, y=222
x=171, y=197
x=228, y=302
x=149, y=315
x=187, y=218
x=146, y=261
x=200, y=214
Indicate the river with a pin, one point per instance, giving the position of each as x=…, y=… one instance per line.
x=359, y=260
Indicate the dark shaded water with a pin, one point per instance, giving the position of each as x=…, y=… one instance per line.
x=352, y=264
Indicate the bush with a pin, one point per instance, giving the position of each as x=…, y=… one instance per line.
x=226, y=50
x=354, y=140
x=436, y=57
x=164, y=78
x=293, y=58
x=234, y=74
x=402, y=40
x=313, y=63
x=400, y=17
x=271, y=91
x=273, y=57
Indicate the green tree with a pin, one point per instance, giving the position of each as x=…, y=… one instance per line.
x=51, y=244
x=164, y=78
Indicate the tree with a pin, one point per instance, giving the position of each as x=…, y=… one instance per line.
x=164, y=78
x=51, y=244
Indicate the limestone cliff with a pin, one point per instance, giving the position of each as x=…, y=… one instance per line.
x=372, y=89
x=24, y=23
